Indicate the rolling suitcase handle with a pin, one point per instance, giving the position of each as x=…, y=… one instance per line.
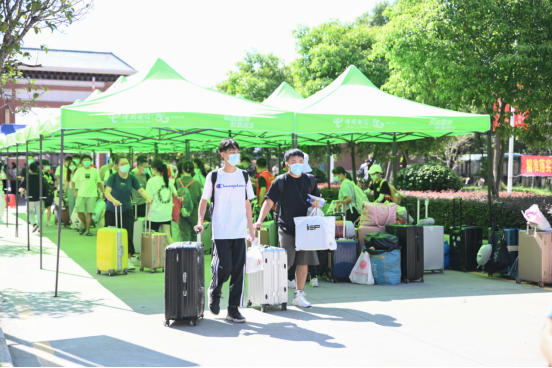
x=121, y=214
x=454, y=212
x=426, y=208
x=146, y=222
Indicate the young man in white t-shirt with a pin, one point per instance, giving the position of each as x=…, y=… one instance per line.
x=230, y=191
x=88, y=179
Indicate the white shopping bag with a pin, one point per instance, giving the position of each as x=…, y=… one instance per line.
x=362, y=272
x=253, y=258
x=315, y=233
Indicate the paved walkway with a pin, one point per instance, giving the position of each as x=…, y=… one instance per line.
x=453, y=319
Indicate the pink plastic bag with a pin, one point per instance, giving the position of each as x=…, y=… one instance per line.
x=177, y=206
x=378, y=214
x=535, y=217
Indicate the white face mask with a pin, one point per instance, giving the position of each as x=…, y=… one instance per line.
x=234, y=159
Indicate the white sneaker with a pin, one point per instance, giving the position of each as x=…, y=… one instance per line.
x=300, y=300
x=35, y=228
x=136, y=262
x=314, y=282
x=130, y=265
x=291, y=284
x=47, y=224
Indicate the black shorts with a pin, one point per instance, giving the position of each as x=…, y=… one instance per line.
x=155, y=226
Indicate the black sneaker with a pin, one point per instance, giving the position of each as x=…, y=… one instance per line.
x=35, y=228
x=234, y=314
x=214, y=304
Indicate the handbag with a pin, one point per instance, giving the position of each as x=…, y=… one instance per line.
x=362, y=272
x=177, y=206
x=378, y=214
x=315, y=233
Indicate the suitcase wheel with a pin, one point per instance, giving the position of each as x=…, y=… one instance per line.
x=263, y=308
x=284, y=307
x=464, y=270
x=167, y=323
x=407, y=281
x=125, y=271
x=193, y=323
x=141, y=269
x=541, y=284
x=422, y=279
x=518, y=280
x=152, y=270
x=249, y=304
x=98, y=272
x=442, y=271
x=111, y=272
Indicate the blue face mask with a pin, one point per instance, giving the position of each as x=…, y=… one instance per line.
x=146, y=171
x=234, y=159
x=296, y=169
x=125, y=168
x=87, y=163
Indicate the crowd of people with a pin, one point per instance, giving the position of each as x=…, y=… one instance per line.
x=146, y=188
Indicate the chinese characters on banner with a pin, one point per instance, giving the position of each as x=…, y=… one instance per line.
x=536, y=165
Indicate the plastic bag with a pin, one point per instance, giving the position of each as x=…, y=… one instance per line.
x=362, y=272
x=254, y=258
x=316, y=201
x=535, y=217
x=315, y=211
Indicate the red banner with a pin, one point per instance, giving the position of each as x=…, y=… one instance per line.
x=536, y=165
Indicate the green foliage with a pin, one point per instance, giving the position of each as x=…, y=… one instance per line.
x=375, y=17
x=428, y=176
x=465, y=55
x=18, y=17
x=257, y=77
x=327, y=50
x=319, y=174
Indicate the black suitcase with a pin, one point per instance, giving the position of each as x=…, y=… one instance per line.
x=465, y=242
x=411, y=241
x=184, y=282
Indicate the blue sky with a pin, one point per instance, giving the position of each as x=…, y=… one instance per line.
x=202, y=40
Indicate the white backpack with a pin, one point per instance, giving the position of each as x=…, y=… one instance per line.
x=360, y=198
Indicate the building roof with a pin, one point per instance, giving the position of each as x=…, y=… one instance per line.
x=76, y=61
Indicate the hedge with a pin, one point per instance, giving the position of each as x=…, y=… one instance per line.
x=475, y=210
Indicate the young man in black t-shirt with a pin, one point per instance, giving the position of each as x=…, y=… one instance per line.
x=33, y=196
x=293, y=203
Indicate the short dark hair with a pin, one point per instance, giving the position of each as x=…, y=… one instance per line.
x=293, y=152
x=245, y=158
x=339, y=170
x=227, y=144
x=33, y=167
x=165, y=157
x=119, y=157
x=76, y=156
x=84, y=157
x=262, y=162
x=141, y=160
x=68, y=158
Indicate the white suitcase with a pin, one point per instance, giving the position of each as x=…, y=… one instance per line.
x=434, y=240
x=138, y=226
x=269, y=286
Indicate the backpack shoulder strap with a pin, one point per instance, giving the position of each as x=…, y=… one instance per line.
x=246, y=178
x=281, y=183
x=214, y=175
x=190, y=183
x=381, y=184
x=312, y=181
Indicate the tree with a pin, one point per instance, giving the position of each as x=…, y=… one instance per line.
x=375, y=17
x=257, y=76
x=452, y=149
x=470, y=55
x=17, y=18
x=327, y=50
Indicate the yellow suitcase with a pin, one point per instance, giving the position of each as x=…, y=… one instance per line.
x=112, y=248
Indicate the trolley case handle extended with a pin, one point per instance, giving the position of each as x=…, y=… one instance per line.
x=121, y=216
x=426, y=208
x=454, y=212
x=146, y=221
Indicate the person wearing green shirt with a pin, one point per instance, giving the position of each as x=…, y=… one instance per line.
x=142, y=173
x=186, y=178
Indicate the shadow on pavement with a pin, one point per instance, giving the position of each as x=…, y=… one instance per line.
x=279, y=330
x=85, y=351
x=44, y=304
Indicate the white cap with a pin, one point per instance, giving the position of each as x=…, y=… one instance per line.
x=306, y=167
x=375, y=168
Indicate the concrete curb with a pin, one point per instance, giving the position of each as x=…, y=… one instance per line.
x=5, y=357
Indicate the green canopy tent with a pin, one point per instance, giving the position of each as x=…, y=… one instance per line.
x=159, y=108
x=285, y=97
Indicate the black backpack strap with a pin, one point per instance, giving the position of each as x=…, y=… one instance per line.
x=246, y=178
x=312, y=181
x=214, y=175
x=148, y=177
